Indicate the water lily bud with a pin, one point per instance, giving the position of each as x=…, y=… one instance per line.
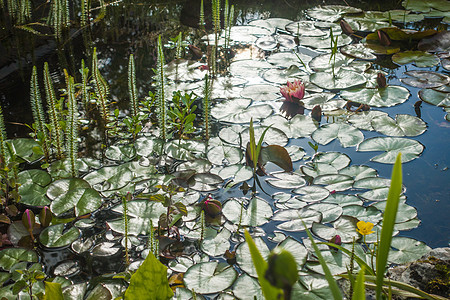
x=346, y=28
x=336, y=240
x=282, y=269
x=195, y=51
x=45, y=216
x=384, y=38
x=316, y=113
x=381, y=80
x=212, y=207
x=28, y=220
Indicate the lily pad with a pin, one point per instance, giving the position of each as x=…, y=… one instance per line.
x=406, y=250
x=343, y=79
x=209, y=277
x=288, y=59
x=240, y=111
x=330, y=211
x=345, y=227
x=185, y=149
x=425, y=79
x=311, y=193
x=244, y=286
x=248, y=68
x=271, y=23
x=324, y=42
x=419, y=58
x=219, y=153
x=281, y=76
x=296, y=249
x=403, y=16
x=325, y=62
x=32, y=187
x=410, y=149
x=435, y=97
x=72, y=193
x=286, y=180
x=292, y=219
x=121, y=152
x=336, y=159
x=348, y=135
x=366, y=214
x=305, y=28
x=426, y=5
x=363, y=120
x=226, y=87
x=255, y=212
x=331, y=13
x=238, y=173
x=334, y=182
x=10, y=256
x=244, y=259
x=204, y=182
x=273, y=136
x=261, y=92
x=55, y=236
x=297, y=127
x=403, y=125
x=25, y=149
x=358, y=172
x=215, y=243
x=358, y=51
x=379, y=97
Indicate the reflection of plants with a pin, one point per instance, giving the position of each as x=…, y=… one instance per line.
x=182, y=114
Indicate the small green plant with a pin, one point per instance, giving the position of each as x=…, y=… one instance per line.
x=207, y=106
x=125, y=221
x=72, y=127
x=161, y=102
x=182, y=114
x=28, y=279
x=253, y=148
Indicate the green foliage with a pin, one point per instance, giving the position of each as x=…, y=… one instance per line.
x=359, y=291
x=84, y=82
x=53, y=291
x=132, y=86
x=125, y=221
x=29, y=277
x=269, y=291
x=101, y=88
x=59, y=17
x=182, y=113
x=38, y=114
x=254, y=148
x=390, y=214
x=150, y=281
x=72, y=127
x=85, y=6
x=207, y=106
x=2, y=140
x=160, y=91
x=175, y=210
x=202, y=16
x=53, y=112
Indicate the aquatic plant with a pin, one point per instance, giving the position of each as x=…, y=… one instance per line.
x=2, y=140
x=72, y=127
x=182, y=113
x=125, y=199
x=207, y=106
x=38, y=115
x=59, y=16
x=101, y=90
x=216, y=22
x=84, y=83
x=85, y=7
x=293, y=91
x=132, y=87
x=55, y=116
x=161, y=102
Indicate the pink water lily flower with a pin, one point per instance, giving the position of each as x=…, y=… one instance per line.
x=294, y=91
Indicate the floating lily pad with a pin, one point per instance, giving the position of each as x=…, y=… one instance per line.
x=72, y=193
x=331, y=13
x=326, y=62
x=55, y=236
x=288, y=59
x=343, y=79
x=184, y=70
x=266, y=43
x=238, y=173
x=345, y=227
x=383, y=97
x=32, y=187
x=406, y=250
x=248, y=68
x=358, y=172
x=261, y=92
x=215, y=243
x=316, y=169
x=271, y=23
x=290, y=74
x=382, y=50
x=286, y=180
x=240, y=111
x=334, y=182
x=366, y=214
x=348, y=135
x=121, y=152
x=226, y=87
x=297, y=127
x=110, y=178
x=292, y=219
x=311, y=193
x=244, y=259
x=343, y=200
x=363, y=120
x=10, y=256
x=403, y=125
x=273, y=136
x=322, y=99
x=330, y=211
x=185, y=149
x=296, y=153
x=403, y=16
x=379, y=188
x=254, y=213
x=425, y=79
x=435, y=97
x=209, y=277
x=222, y=153
x=324, y=42
x=305, y=28
x=26, y=149
x=296, y=249
x=336, y=159
x=410, y=149
x=358, y=51
x=204, y=182
x=146, y=146
x=419, y=58
x=405, y=212
x=371, y=21
x=426, y=5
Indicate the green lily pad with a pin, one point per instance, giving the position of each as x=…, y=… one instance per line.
x=261, y=92
x=406, y=250
x=121, y=153
x=359, y=51
x=305, y=28
x=435, y=97
x=10, y=256
x=363, y=120
x=55, y=236
x=331, y=13
x=322, y=99
x=238, y=173
x=26, y=149
x=297, y=127
x=348, y=135
x=185, y=149
x=403, y=16
x=371, y=21
x=32, y=187
x=426, y=5
x=403, y=125
x=336, y=159
x=343, y=79
x=311, y=193
x=110, y=178
x=246, y=285
x=382, y=50
x=405, y=212
x=324, y=42
x=296, y=153
x=330, y=212
x=290, y=74
x=209, y=277
x=140, y=213
x=325, y=62
x=255, y=212
x=334, y=182
x=358, y=172
x=287, y=60
x=204, y=182
x=72, y=193
x=215, y=243
x=419, y=58
x=248, y=68
x=343, y=200
x=336, y=261
x=273, y=136
x=184, y=70
x=410, y=149
x=292, y=219
x=316, y=169
x=345, y=227
x=286, y=180
x=383, y=97
x=425, y=79
x=219, y=152
x=271, y=23
x=240, y=110
x=366, y=214
x=226, y=87
x=296, y=249
x=379, y=188
x=244, y=259
x=146, y=146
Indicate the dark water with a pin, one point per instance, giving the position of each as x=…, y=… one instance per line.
x=133, y=27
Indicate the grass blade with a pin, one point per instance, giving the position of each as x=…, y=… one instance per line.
x=360, y=290
x=388, y=223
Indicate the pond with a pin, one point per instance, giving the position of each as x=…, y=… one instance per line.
x=121, y=160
